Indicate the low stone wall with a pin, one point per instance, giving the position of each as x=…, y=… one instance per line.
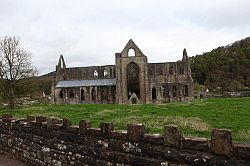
x=52, y=141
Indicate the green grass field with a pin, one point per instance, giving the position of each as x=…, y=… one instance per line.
x=195, y=118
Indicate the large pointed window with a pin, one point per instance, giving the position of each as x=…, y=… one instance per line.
x=133, y=84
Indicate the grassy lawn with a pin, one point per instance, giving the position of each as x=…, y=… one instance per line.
x=195, y=118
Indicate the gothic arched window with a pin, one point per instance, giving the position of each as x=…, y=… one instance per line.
x=133, y=84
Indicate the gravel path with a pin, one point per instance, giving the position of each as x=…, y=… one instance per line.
x=8, y=161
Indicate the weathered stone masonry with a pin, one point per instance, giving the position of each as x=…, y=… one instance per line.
x=131, y=80
x=52, y=141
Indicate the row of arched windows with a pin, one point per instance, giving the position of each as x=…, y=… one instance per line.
x=105, y=73
x=174, y=91
x=71, y=94
x=171, y=70
x=104, y=94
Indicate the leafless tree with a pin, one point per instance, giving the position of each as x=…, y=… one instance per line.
x=15, y=64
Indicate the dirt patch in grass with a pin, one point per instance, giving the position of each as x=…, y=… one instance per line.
x=105, y=111
x=193, y=123
x=244, y=135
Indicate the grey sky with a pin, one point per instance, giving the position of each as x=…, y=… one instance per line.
x=90, y=32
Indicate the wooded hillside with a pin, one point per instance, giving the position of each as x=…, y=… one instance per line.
x=226, y=68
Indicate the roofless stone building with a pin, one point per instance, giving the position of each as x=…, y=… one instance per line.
x=131, y=80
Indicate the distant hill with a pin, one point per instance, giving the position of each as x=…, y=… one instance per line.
x=226, y=68
x=50, y=74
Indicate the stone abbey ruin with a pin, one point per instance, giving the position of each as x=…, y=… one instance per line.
x=131, y=80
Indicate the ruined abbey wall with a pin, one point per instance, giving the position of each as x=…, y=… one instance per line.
x=52, y=141
x=83, y=73
x=134, y=79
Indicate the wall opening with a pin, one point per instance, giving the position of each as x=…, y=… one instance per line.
x=134, y=101
x=61, y=94
x=171, y=69
x=186, y=90
x=153, y=93
x=82, y=95
x=95, y=73
x=104, y=95
x=133, y=82
x=93, y=94
x=181, y=70
x=174, y=91
x=131, y=52
x=71, y=94
x=105, y=73
x=61, y=63
x=113, y=93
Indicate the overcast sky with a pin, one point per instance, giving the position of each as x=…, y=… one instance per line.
x=90, y=32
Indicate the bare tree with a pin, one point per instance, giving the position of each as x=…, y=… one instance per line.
x=15, y=64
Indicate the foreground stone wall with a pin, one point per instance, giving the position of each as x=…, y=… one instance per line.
x=52, y=141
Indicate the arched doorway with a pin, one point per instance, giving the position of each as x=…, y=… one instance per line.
x=174, y=91
x=82, y=95
x=186, y=90
x=134, y=101
x=133, y=83
x=153, y=93
x=61, y=94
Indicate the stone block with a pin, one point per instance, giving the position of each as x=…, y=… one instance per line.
x=244, y=150
x=30, y=119
x=40, y=119
x=52, y=121
x=73, y=129
x=106, y=129
x=94, y=132
x=6, y=116
x=155, y=139
x=195, y=143
x=66, y=123
x=83, y=126
x=119, y=134
x=173, y=136
x=221, y=142
x=135, y=132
